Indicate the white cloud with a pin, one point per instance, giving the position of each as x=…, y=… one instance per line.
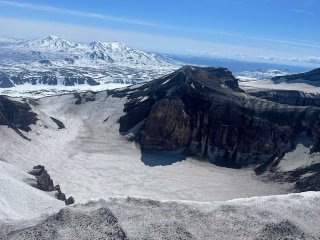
x=80, y=13
x=21, y=28
x=303, y=12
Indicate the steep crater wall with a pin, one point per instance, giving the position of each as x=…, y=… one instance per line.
x=203, y=111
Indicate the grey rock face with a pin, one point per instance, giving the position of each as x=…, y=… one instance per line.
x=16, y=115
x=204, y=111
x=290, y=97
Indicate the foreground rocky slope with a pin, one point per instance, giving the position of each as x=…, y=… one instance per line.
x=294, y=216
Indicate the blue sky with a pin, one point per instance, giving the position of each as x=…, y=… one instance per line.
x=264, y=30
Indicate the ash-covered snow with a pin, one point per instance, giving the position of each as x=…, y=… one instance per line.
x=293, y=216
x=90, y=159
x=253, y=85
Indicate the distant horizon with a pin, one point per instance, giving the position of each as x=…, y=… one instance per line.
x=199, y=57
x=276, y=32
x=270, y=31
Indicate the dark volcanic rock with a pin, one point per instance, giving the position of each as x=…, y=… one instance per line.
x=290, y=97
x=45, y=62
x=167, y=126
x=70, y=60
x=78, y=80
x=16, y=115
x=313, y=78
x=69, y=201
x=59, y=123
x=203, y=111
x=60, y=195
x=310, y=183
x=5, y=81
x=46, y=78
x=44, y=181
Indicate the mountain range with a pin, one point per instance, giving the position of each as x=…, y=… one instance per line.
x=53, y=60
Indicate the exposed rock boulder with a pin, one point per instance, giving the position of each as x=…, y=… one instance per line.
x=69, y=201
x=59, y=123
x=45, y=183
x=203, y=111
x=60, y=195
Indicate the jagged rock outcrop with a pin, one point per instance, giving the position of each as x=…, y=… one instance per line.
x=17, y=115
x=60, y=195
x=45, y=183
x=203, y=111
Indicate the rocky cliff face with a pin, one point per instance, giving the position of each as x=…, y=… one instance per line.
x=17, y=115
x=203, y=111
x=290, y=97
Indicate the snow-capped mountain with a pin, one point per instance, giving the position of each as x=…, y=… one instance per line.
x=121, y=53
x=261, y=74
x=53, y=61
x=49, y=43
x=53, y=47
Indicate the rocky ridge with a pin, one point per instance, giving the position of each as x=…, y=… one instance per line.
x=312, y=77
x=203, y=111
